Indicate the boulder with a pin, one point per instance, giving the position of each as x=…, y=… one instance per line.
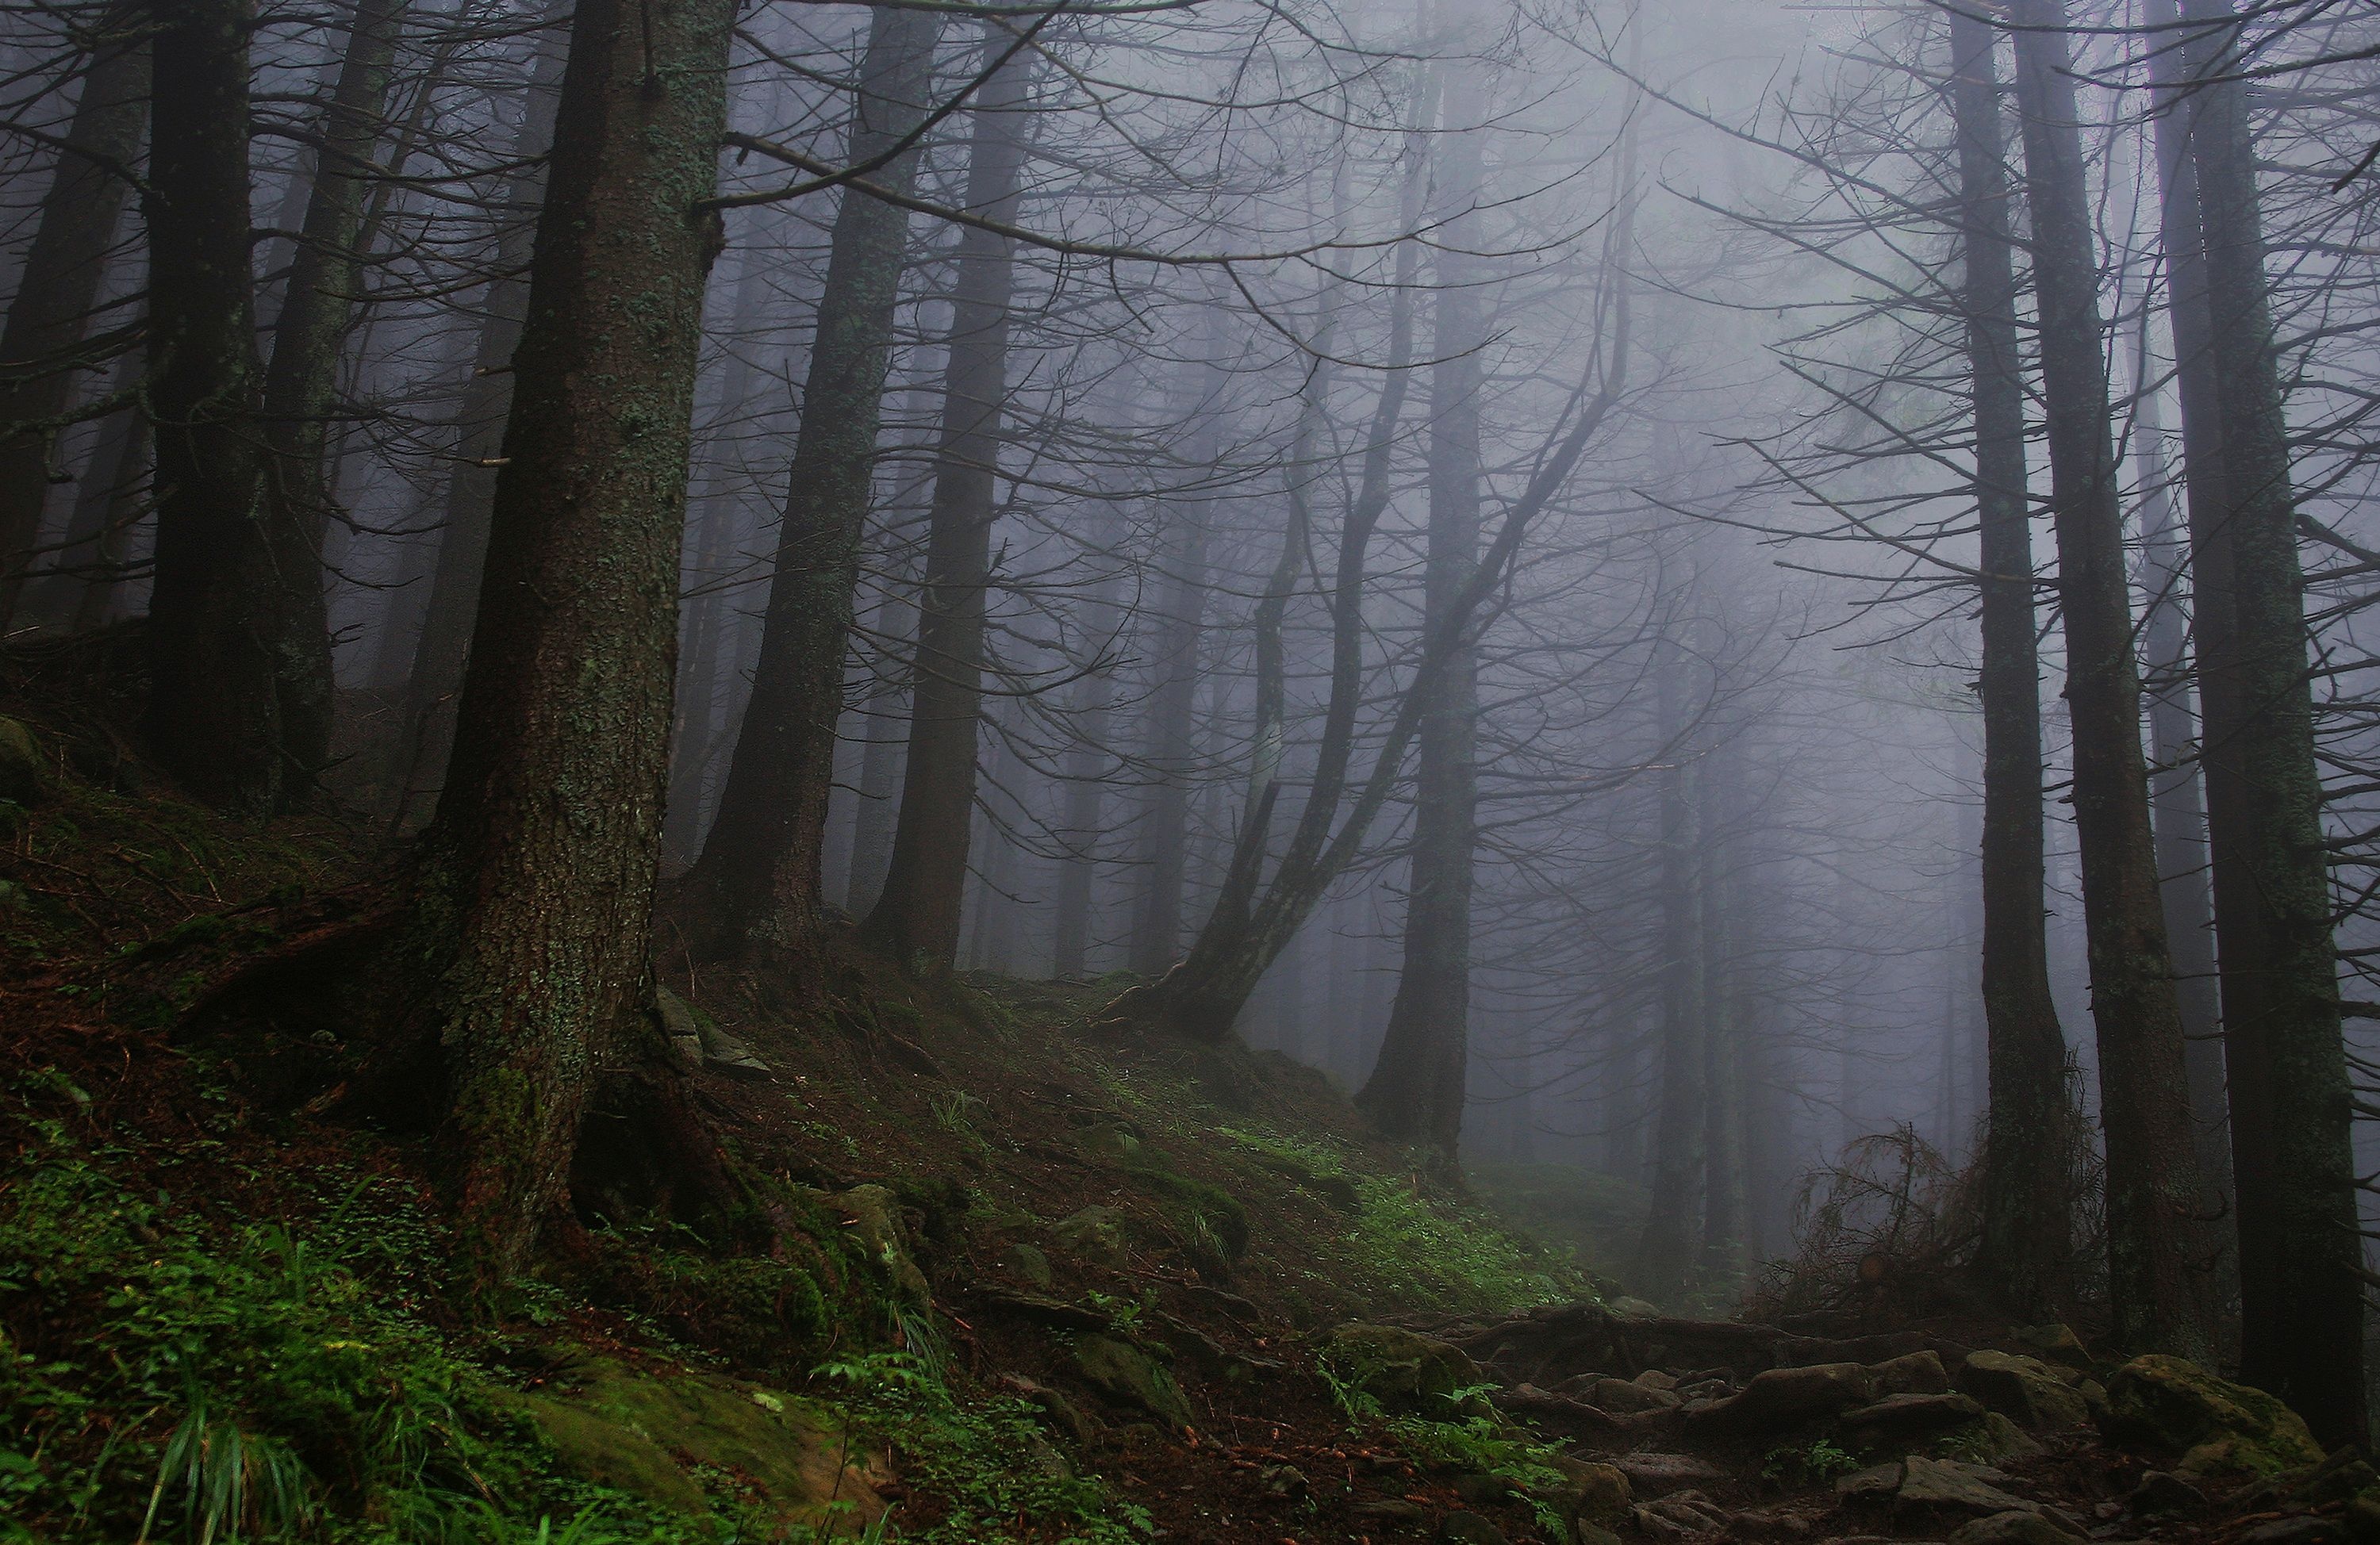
x=2000, y=1437
x=1946, y=1486
x=1096, y=1235
x=1618, y=1397
x=2301, y=1529
x=651, y=1434
x=1027, y=1264
x=24, y=772
x=1908, y=1417
x=1656, y=1379
x=2215, y=1426
x=1129, y=1376
x=2024, y=1390
x=2055, y=1344
x=1657, y=1473
x=1597, y=1493
x=2163, y=1491
x=1403, y=1370
x=1779, y=1399
x=1635, y=1308
x=1912, y=1373
x=1469, y=1528
x=2013, y=1528
x=1876, y=1481
x=875, y=1214
x=2337, y=1478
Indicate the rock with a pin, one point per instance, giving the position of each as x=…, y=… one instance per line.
x=24, y=772
x=1096, y=1235
x=2024, y=1390
x=1655, y=1379
x=2056, y=1343
x=1634, y=1308
x=1583, y=1533
x=1481, y=1489
x=1129, y=1376
x=2341, y=1475
x=875, y=1214
x=1946, y=1486
x=1592, y=1492
x=1912, y=1373
x=1766, y=1523
x=1469, y=1528
x=2163, y=1491
x=1876, y=1481
x=2361, y=1518
x=1897, y=1416
x=2217, y=1427
x=678, y=1023
x=1657, y=1473
x=1403, y=1370
x=1618, y=1397
x=1780, y=1398
x=1684, y=1515
x=1282, y=1482
x=2000, y=1437
x=2013, y=1528
x=643, y=1433
x=1062, y=1412
x=1391, y=1510
x=1027, y=1263
x=2302, y=1529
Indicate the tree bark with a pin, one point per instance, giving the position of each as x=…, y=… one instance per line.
x=2027, y=1211
x=50, y=312
x=532, y=923
x=916, y=920
x=1666, y=1256
x=2292, y=1103
x=1416, y=1091
x=1088, y=763
x=2152, y=1192
x=301, y=383
x=1723, y=1141
x=757, y=882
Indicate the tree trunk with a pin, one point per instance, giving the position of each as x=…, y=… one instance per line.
x=537, y=875
x=1723, y=1141
x=55, y=599
x=445, y=643
x=2302, y=1308
x=1416, y=1091
x=916, y=919
x=51, y=310
x=1089, y=765
x=2152, y=1192
x=1666, y=1257
x=759, y=880
x=2027, y=1253
x=214, y=719
x=301, y=383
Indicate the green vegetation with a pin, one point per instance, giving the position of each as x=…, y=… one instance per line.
x=1800, y=1465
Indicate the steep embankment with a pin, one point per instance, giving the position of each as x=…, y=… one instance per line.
x=994, y=1275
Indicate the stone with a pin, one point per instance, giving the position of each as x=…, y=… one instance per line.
x=1634, y=1308
x=2341, y=1475
x=1657, y=1473
x=24, y=771
x=1683, y=1516
x=2164, y=1491
x=2056, y=1343
x=1469, y=1528
x=1767, y=1523
x=2361, y=1518
x=1583, y=1533
x=1282, y=1482
x=2000, y=1437
x=1655, y=1379
x=1027, y=1263
x=646, y=1432
x=1778, y=1399
x=1062, y=1412
x=2013, y=1528
x=1618, y=1397
x=2024, y=1390
x=2301, y=1529
x=875, y=1214
x=1897, y=1416
x=1391, y=1510
x=1592, y=1492
x=1947, y=1486
x=1129, y=1376
x=1096, y=1235
x=1912, y=1373
x=1876, y=1481
x=2217, y=1427
x=1403, y=1370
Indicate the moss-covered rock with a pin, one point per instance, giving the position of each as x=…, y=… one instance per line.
x=2217, y=1427
x=1402, y=1369
x=2025, y=1390
x=1129, y=1376
x=24, y=773
x=647, y=1434
x=1096, y=1235
x=875, y=1214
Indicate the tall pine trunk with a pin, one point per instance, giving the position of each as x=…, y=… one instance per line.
x=757, y=881
x=2152, y=1192
x=1416, y=1091
x=532, y=923
x=916, y=920
x=2027, y=1210
x=51, y=310
x=301, y=383
x=1666, y=1255
x=2291, y=1100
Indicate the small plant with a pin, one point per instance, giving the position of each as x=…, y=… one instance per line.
x=1788, y=1465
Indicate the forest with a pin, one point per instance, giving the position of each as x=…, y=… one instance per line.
x=1217, y=770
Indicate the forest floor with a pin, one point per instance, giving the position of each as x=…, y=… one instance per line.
x=1000, y=1275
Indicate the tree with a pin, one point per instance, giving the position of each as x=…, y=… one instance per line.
x=2152, y=1192
x=2027, y=1230
x=758, y=880
x=49, y=313
x=916, y=920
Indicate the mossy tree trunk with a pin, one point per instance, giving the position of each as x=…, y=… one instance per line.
x=2027, y=1211
x=916, y=920
x=49, y=313
x=758, y=880
x=2153, y=1190
x=532, y=920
